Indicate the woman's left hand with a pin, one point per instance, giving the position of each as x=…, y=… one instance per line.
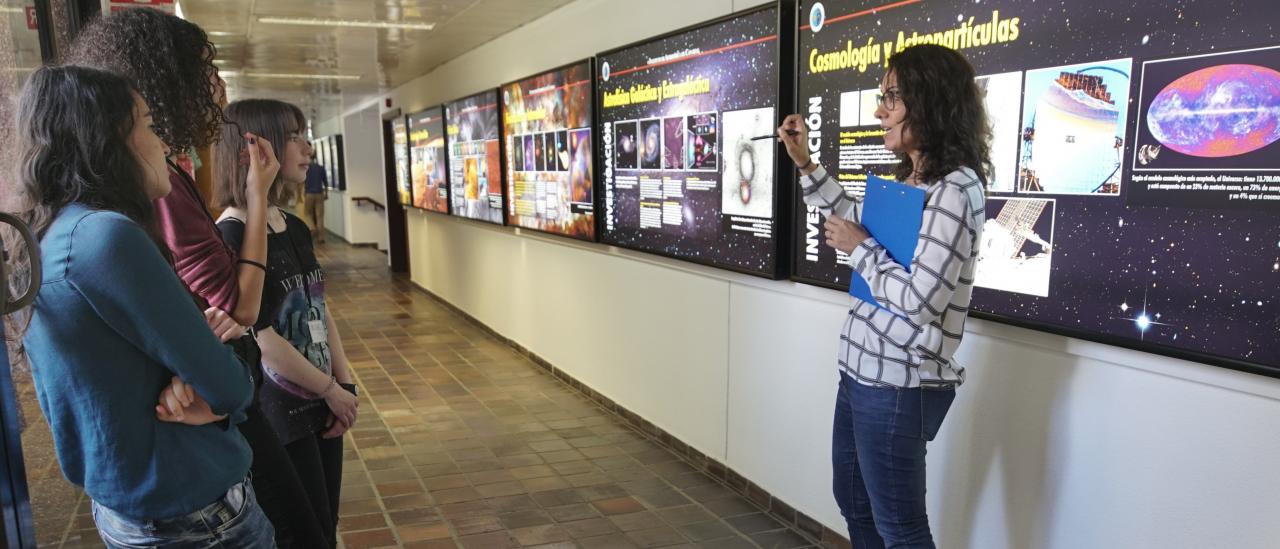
x=223, y=326
x=844, y=235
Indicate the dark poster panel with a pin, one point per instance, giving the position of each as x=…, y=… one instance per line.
x=400, y=154
x=475, y=163
x=1133, y=196
x=681, y=175
x=428, y=168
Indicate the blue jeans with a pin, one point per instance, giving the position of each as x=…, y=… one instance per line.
x=877, y=457
x=233, y=521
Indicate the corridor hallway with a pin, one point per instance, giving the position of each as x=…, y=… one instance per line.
x=464, y=442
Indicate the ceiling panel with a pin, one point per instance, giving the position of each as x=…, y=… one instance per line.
x=382, y=58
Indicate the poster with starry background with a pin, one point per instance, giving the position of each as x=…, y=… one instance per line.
x=475, y=163
x=662, y=106
x=1197, y=280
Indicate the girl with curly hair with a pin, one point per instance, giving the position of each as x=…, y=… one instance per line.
x=112, y=324
x=897, y=372
x=170, y=62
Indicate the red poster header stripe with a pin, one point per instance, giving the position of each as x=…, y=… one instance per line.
x=697, y=55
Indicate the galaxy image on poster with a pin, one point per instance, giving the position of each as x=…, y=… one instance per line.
x=427, y=161
x=400, y=155
x=1136, y=172
x=681, y=175
x=475, y=167
x=547, y=125
x=1207, y=131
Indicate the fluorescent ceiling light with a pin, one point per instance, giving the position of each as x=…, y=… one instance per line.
x=362, y=23
x=7, y=9
x=288, y=76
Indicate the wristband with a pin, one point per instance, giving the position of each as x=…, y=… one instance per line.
x=807, y=166
x=254, y=263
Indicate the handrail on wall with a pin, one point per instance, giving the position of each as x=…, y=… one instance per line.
x=377, y=206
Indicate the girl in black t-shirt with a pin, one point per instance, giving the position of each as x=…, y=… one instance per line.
x=308, y=396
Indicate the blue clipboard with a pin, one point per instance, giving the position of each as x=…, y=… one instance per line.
x=891, y=213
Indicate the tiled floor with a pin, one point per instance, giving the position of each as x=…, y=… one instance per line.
x=462, y=442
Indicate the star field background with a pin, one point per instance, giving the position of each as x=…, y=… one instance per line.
x=1183, y=279
x=741, y=78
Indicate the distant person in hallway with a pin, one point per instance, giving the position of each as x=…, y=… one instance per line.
x=309, y=393
x=170, y=62
x=113, y=325
x=897, y=374
x=315, y=193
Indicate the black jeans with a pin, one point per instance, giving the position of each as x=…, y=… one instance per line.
x=280, y=488
x=318, y=462
x=275, y=480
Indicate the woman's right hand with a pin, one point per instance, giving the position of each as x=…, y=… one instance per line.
x=263, y=165
x=342, y=404
x=180, y=403
x=794, y=135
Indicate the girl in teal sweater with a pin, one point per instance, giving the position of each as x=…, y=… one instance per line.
x=113, y=325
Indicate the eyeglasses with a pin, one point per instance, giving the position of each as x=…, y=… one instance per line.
x=889, y=99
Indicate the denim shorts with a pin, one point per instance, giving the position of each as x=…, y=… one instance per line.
x=234, y=520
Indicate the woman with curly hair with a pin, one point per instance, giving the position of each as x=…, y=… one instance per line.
x=112, y=324
x=897, y=374
x=170, y=62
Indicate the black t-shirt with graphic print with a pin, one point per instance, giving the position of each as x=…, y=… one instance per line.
x=293, y=305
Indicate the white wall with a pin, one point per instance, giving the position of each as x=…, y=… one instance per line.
x=1052, y=443
x=362, y=144
x=362, y=148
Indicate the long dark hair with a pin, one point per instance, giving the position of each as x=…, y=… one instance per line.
x=73, y=147
x=945, y=112
x=168, y=60
x=266, y=118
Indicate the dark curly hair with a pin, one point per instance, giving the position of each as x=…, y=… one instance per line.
x=945, y=113
x=168, y=60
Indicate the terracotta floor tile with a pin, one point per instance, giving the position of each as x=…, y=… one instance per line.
x=534, y=535
x=618, y=506
x=420, y=532
x=369, y=538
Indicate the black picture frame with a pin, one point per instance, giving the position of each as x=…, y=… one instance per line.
x=784, y=177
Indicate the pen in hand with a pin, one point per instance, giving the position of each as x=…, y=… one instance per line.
x=773, y=135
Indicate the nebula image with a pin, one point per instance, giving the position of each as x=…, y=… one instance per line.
x=748, y=164
x=1225, y=110
x=626, y=139
x=673, y=143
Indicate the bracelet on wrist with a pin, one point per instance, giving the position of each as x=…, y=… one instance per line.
x=807, y=165
x=332, y=382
